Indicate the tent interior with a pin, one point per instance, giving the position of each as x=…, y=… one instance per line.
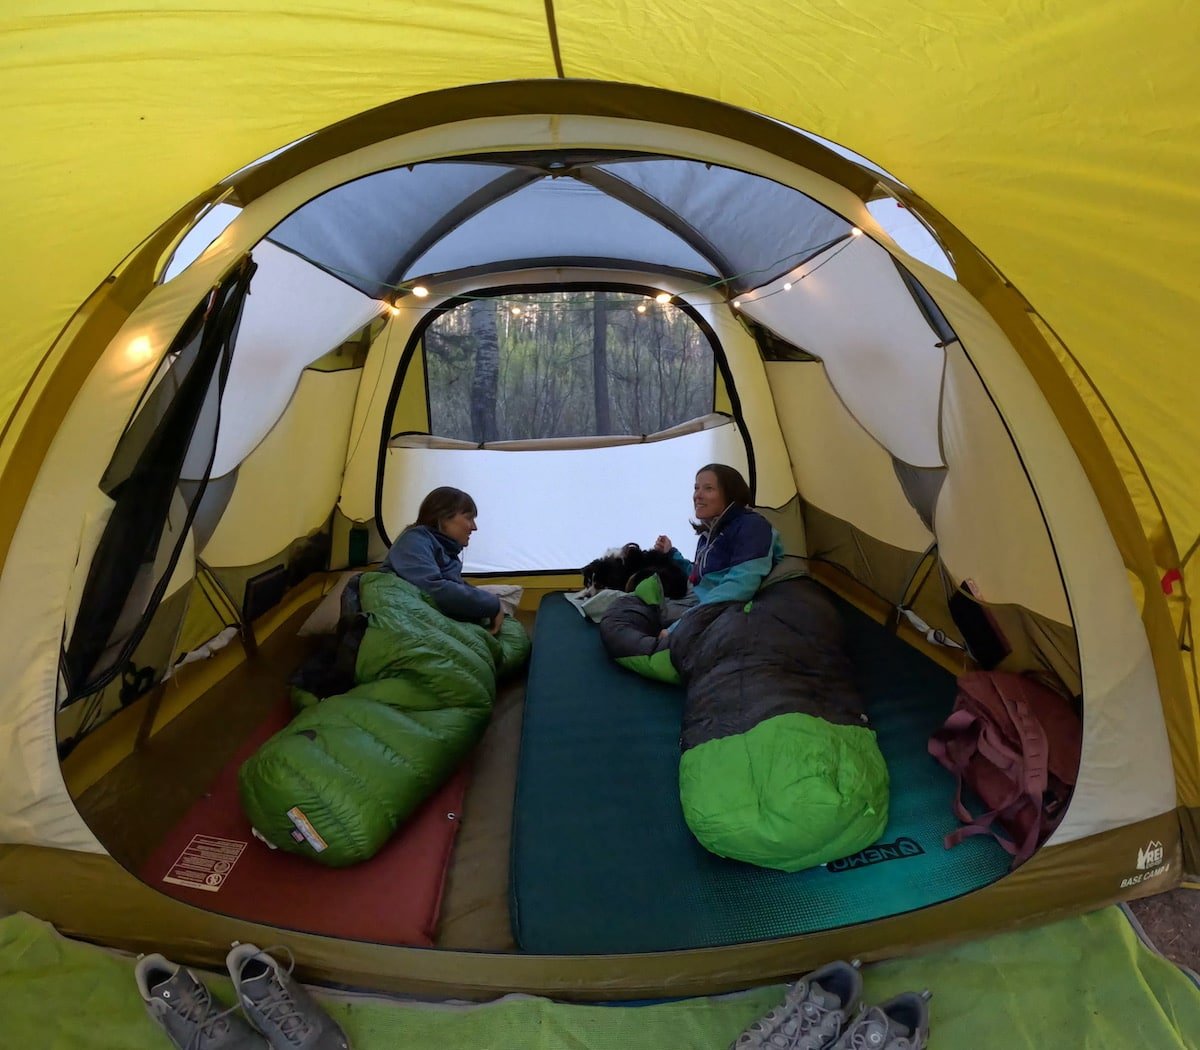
x=310, y=364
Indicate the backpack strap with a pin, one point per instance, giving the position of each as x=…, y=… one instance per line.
x=965, y=734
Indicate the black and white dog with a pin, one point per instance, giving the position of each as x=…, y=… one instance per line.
x=623, y=569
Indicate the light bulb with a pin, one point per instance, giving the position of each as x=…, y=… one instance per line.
x=787, y=286
x=420, y=291
x=516, y=311
x=663, y=297
x=393, y=309
x=641, y=308
x=855, y=231
x=737, y=302
x=139, y=350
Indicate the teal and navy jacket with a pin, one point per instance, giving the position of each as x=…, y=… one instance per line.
x=733, y=557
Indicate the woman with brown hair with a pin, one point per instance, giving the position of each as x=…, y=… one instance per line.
x=736, y=547
x=428, y=554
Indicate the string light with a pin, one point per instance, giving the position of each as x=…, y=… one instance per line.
x=139, y=350
x=421, y=291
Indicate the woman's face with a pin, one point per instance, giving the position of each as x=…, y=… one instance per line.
x=707, y=497
x=459, y=527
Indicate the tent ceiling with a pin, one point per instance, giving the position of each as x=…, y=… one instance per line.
x=559, y=218
x=394, y=226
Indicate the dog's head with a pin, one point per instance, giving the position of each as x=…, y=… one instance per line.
x=612, y=570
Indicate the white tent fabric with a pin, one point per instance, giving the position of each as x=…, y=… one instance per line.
x=294, y=314
x=912, y=236
x=849, y=307
x=822, y=439
x=206, y=229
x=987, y=495
x=1124, y=737
x=555, y=509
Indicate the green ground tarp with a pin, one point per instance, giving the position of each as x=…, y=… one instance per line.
x=1085, y=983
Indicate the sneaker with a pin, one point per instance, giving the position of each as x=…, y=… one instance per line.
x=184, y=1008
x=813, y=1012
x=898, y=1024
x=278, y=1005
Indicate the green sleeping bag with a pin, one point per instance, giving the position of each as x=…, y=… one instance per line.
x=779, y=766
x=345, y=773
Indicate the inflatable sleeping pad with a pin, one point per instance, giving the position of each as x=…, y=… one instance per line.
x=779, y=766
x=346, y=772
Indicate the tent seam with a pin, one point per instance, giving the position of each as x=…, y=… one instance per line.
x=552, y=28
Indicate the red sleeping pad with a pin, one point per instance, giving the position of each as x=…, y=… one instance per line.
x=211, y=859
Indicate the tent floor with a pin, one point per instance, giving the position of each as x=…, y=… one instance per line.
x=164, y=778
x=167, y=777
x=603, y=861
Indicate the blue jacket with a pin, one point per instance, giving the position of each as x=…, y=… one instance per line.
x=430, y=561
x=733, y=557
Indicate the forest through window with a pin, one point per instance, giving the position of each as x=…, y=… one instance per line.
x=565, y=364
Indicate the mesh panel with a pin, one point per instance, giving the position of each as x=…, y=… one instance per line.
x=173, y=431
x=565, y=364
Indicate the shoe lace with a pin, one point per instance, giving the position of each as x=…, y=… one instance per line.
x=280, y=1007
x=800, y=1023
x=194, y=1003
x=816, y=1025
x=870, y=1031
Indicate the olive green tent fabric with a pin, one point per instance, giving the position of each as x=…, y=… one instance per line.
x=1085, y=982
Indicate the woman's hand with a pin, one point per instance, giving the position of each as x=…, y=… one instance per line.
x=497, y=620
x=663, y=544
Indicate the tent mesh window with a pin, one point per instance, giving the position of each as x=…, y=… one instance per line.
x=773, y=348
x=565, y=364
x=171, y=438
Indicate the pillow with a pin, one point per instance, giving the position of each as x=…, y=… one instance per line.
x=324, y=618
x=509, y=595
x=593, y=606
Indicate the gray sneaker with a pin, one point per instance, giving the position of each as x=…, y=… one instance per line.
x=813, y=1012
x=278, y=1005
x=184, y=1008
x=898, y=1024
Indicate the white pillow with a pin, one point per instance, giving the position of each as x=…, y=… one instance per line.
x=324, y=618
x=509, y=595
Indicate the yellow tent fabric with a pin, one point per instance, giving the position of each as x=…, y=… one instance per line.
x=1062, y=139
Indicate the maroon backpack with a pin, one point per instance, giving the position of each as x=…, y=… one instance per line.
x=1015, y=743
